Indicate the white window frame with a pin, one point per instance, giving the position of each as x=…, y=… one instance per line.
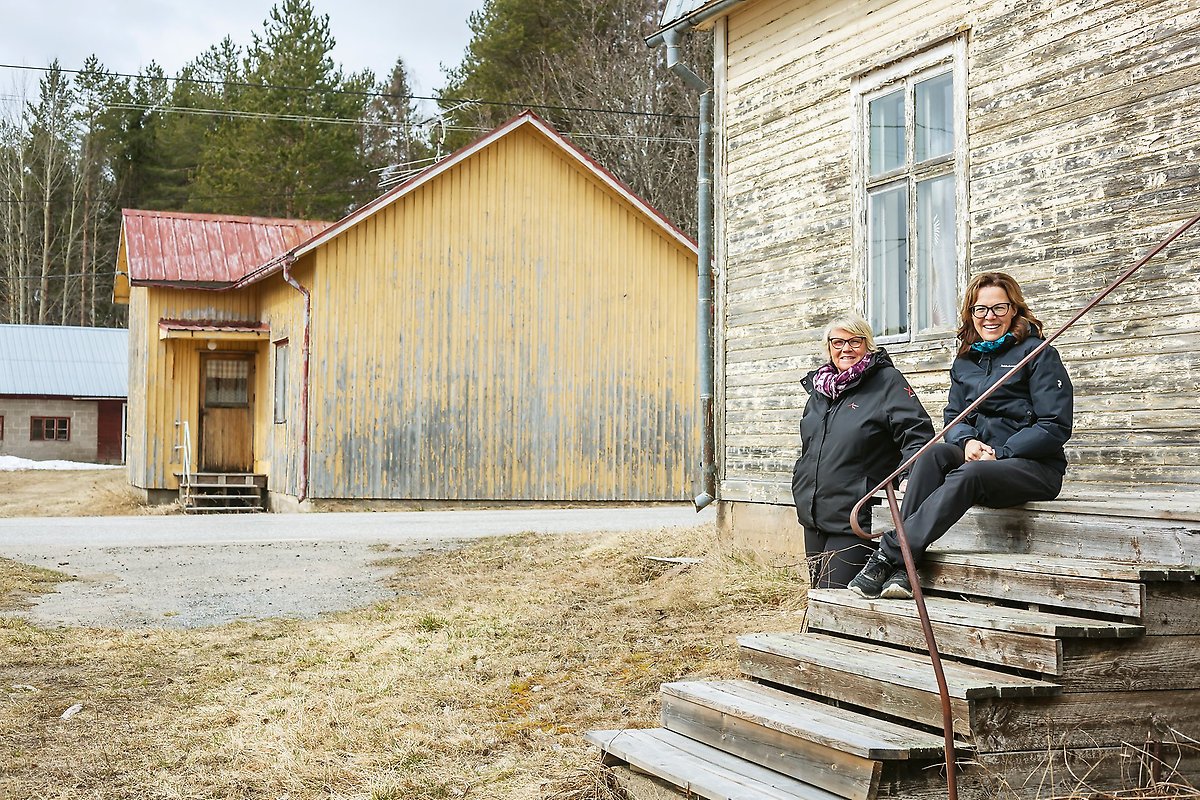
x=948, y=56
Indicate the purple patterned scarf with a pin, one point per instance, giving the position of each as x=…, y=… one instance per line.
x=831, y=383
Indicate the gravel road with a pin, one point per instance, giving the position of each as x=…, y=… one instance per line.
x=190, y=571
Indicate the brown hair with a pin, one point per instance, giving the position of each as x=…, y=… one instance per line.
x=1023, y=323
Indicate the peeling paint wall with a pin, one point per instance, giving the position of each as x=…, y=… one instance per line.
x=1082, y=154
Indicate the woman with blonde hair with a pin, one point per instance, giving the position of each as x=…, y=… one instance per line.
x=1009, y=451
x=861, y=420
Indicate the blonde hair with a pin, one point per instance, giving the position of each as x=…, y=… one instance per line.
x=853, y=323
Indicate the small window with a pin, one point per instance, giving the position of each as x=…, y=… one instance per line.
x=226, y=383
x=281, y=380
x=911, y=230
x=1, y=427
x=49, y=429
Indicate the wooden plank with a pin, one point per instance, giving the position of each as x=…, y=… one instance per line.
x=1082, y=719
x=1030, y=579
x=979, y=644
x=819, y=723
x=842, y=774
x=699, y=769
x=1109, y=571
x=983, y=615
x=1172, y=609
x=867, y=662
x=1148, y=664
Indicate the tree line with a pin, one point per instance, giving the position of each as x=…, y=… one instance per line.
x=278, y=129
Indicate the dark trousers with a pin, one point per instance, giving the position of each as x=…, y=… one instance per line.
x=833, y=559
x=943, y=485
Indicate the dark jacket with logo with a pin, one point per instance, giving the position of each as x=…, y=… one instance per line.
x=850, y=444
x=1028, y=417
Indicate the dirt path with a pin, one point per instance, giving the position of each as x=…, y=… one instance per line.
x=191, y=571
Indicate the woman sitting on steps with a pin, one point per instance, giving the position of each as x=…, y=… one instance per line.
x=1008, y=452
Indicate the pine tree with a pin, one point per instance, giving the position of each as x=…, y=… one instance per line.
x=393, y=145
x=285, y=159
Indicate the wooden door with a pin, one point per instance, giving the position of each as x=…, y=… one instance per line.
x=226, y=422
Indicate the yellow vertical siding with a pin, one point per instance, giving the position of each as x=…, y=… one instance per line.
x=165, y=376
x=511, y=330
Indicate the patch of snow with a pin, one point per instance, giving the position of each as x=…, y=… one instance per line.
x=11, y=463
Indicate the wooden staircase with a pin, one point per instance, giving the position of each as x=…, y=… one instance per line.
x=222, y=492
x=1071, y=647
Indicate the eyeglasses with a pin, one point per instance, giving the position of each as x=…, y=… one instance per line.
x=1000, y=309
x=855, y=343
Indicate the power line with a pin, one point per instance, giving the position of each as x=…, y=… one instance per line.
x=356, y=93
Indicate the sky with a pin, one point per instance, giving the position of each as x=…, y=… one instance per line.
x=128, y=34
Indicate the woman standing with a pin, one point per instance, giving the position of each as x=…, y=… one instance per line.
x=1009, y=451
x=861, y=420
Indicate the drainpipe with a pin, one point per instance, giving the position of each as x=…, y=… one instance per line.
x=288, y=261
x=704, y=273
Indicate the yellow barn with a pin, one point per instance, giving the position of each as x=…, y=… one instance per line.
x=511, y=324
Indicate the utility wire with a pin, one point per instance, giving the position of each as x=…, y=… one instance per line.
x=275, y=116
x=356, y=93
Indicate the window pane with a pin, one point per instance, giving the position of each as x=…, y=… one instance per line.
x=937, y=245
x=281, y=382
x=226, y=383
x=887, y=132
x=887, y=257
x=934, y=117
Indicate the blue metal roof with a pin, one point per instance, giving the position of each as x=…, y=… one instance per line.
x=64, y=361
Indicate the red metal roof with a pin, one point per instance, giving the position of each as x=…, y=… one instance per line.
x=213, y=325
x=213, y=249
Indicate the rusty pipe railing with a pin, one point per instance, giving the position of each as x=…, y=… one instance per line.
x=906, y=552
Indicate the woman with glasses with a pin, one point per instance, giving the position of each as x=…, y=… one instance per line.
x=861, y=420
x=1009, y=451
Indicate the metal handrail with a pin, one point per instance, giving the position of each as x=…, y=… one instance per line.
x=906, y=552
x=186, y=447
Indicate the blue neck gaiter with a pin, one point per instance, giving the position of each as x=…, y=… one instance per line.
x=991, y=347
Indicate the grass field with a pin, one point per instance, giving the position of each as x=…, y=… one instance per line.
x=476, y=681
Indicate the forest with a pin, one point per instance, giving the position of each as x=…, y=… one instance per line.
x=276, y=128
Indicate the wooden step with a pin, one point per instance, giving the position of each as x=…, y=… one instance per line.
x=699, y=770
x=1009, y=637
x=836, y=749
x=1071, y=529
x=1097, y=587
x=899, y=682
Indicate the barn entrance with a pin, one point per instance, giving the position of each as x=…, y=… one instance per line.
x=226, y=412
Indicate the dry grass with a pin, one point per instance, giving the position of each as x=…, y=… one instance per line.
x=71, y=493
x=19, y=581
x=477, y=681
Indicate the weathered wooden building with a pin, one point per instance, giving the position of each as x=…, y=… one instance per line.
x=870, y=156
x=62, y=393
x=510, y=324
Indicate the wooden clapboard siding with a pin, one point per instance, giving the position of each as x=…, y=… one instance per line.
x=164, y=376
x=1082, y=131
x=513, y=329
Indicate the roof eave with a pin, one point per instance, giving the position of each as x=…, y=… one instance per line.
x=695, y=19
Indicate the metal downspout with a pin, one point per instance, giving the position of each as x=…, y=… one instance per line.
x=287, y=263
x=704, y=273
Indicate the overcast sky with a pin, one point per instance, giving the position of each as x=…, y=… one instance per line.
x=128, y=34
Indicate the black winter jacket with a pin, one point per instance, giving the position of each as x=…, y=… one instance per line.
x=1028, y=417
x=851, y=444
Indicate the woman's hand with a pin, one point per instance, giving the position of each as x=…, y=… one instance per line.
x=976, y=450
